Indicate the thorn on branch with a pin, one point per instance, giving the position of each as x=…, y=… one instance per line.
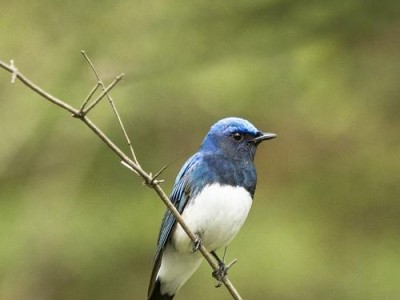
x=154, y=181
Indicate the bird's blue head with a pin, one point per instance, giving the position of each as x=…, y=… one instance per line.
x=235, y=138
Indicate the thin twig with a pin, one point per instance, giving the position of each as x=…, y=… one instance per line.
x=129, y=167
x=14, y=71
x=147, y=177
x=110, y=100
x=93, y=90
x=104, y=93
x=154, y=178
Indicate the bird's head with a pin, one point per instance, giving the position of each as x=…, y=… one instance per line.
x=235, y=138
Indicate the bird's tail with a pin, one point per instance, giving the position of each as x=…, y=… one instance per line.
x=156, y=293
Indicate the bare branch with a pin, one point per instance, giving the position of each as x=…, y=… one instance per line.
x=93, y=90
x=104, y=93
x=110, y=100
x=15, y=73
x=149, y=180
x=158, y=174
x=129, y=167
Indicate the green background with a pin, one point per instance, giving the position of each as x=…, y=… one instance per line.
x=324, y=76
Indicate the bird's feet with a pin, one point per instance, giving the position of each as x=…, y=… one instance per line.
x=196, y=243
x=222, y=270
x=220, y=274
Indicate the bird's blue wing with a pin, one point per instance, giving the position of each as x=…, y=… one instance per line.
x=180, y=195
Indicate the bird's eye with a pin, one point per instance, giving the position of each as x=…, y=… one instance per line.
x=237, y=136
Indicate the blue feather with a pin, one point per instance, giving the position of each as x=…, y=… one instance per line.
x=181, y=193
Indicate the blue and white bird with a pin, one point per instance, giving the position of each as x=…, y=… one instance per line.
x=213, y=192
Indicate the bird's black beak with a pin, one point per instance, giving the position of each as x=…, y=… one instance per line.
x=264, y=137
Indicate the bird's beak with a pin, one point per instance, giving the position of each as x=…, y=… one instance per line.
x=264, y=137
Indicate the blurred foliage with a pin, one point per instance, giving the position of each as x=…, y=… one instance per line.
x=325, y=223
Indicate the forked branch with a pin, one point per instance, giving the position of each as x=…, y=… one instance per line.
x=151, y=181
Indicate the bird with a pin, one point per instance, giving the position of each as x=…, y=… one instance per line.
x=213, y=192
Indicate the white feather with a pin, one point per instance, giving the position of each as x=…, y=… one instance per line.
x=216, y=215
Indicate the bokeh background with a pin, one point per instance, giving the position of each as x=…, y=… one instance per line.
x=325, y=224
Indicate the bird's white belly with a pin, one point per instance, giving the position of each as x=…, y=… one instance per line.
x=216, y=214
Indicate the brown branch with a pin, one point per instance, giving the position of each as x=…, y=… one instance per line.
x=101, y=96
x=110, y=100
x=149, y=180
x=93, y=90
x=16, y=74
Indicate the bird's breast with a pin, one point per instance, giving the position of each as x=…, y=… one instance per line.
x=216, y=214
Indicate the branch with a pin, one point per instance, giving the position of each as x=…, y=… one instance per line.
x=110, y=100
x=150, y=180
